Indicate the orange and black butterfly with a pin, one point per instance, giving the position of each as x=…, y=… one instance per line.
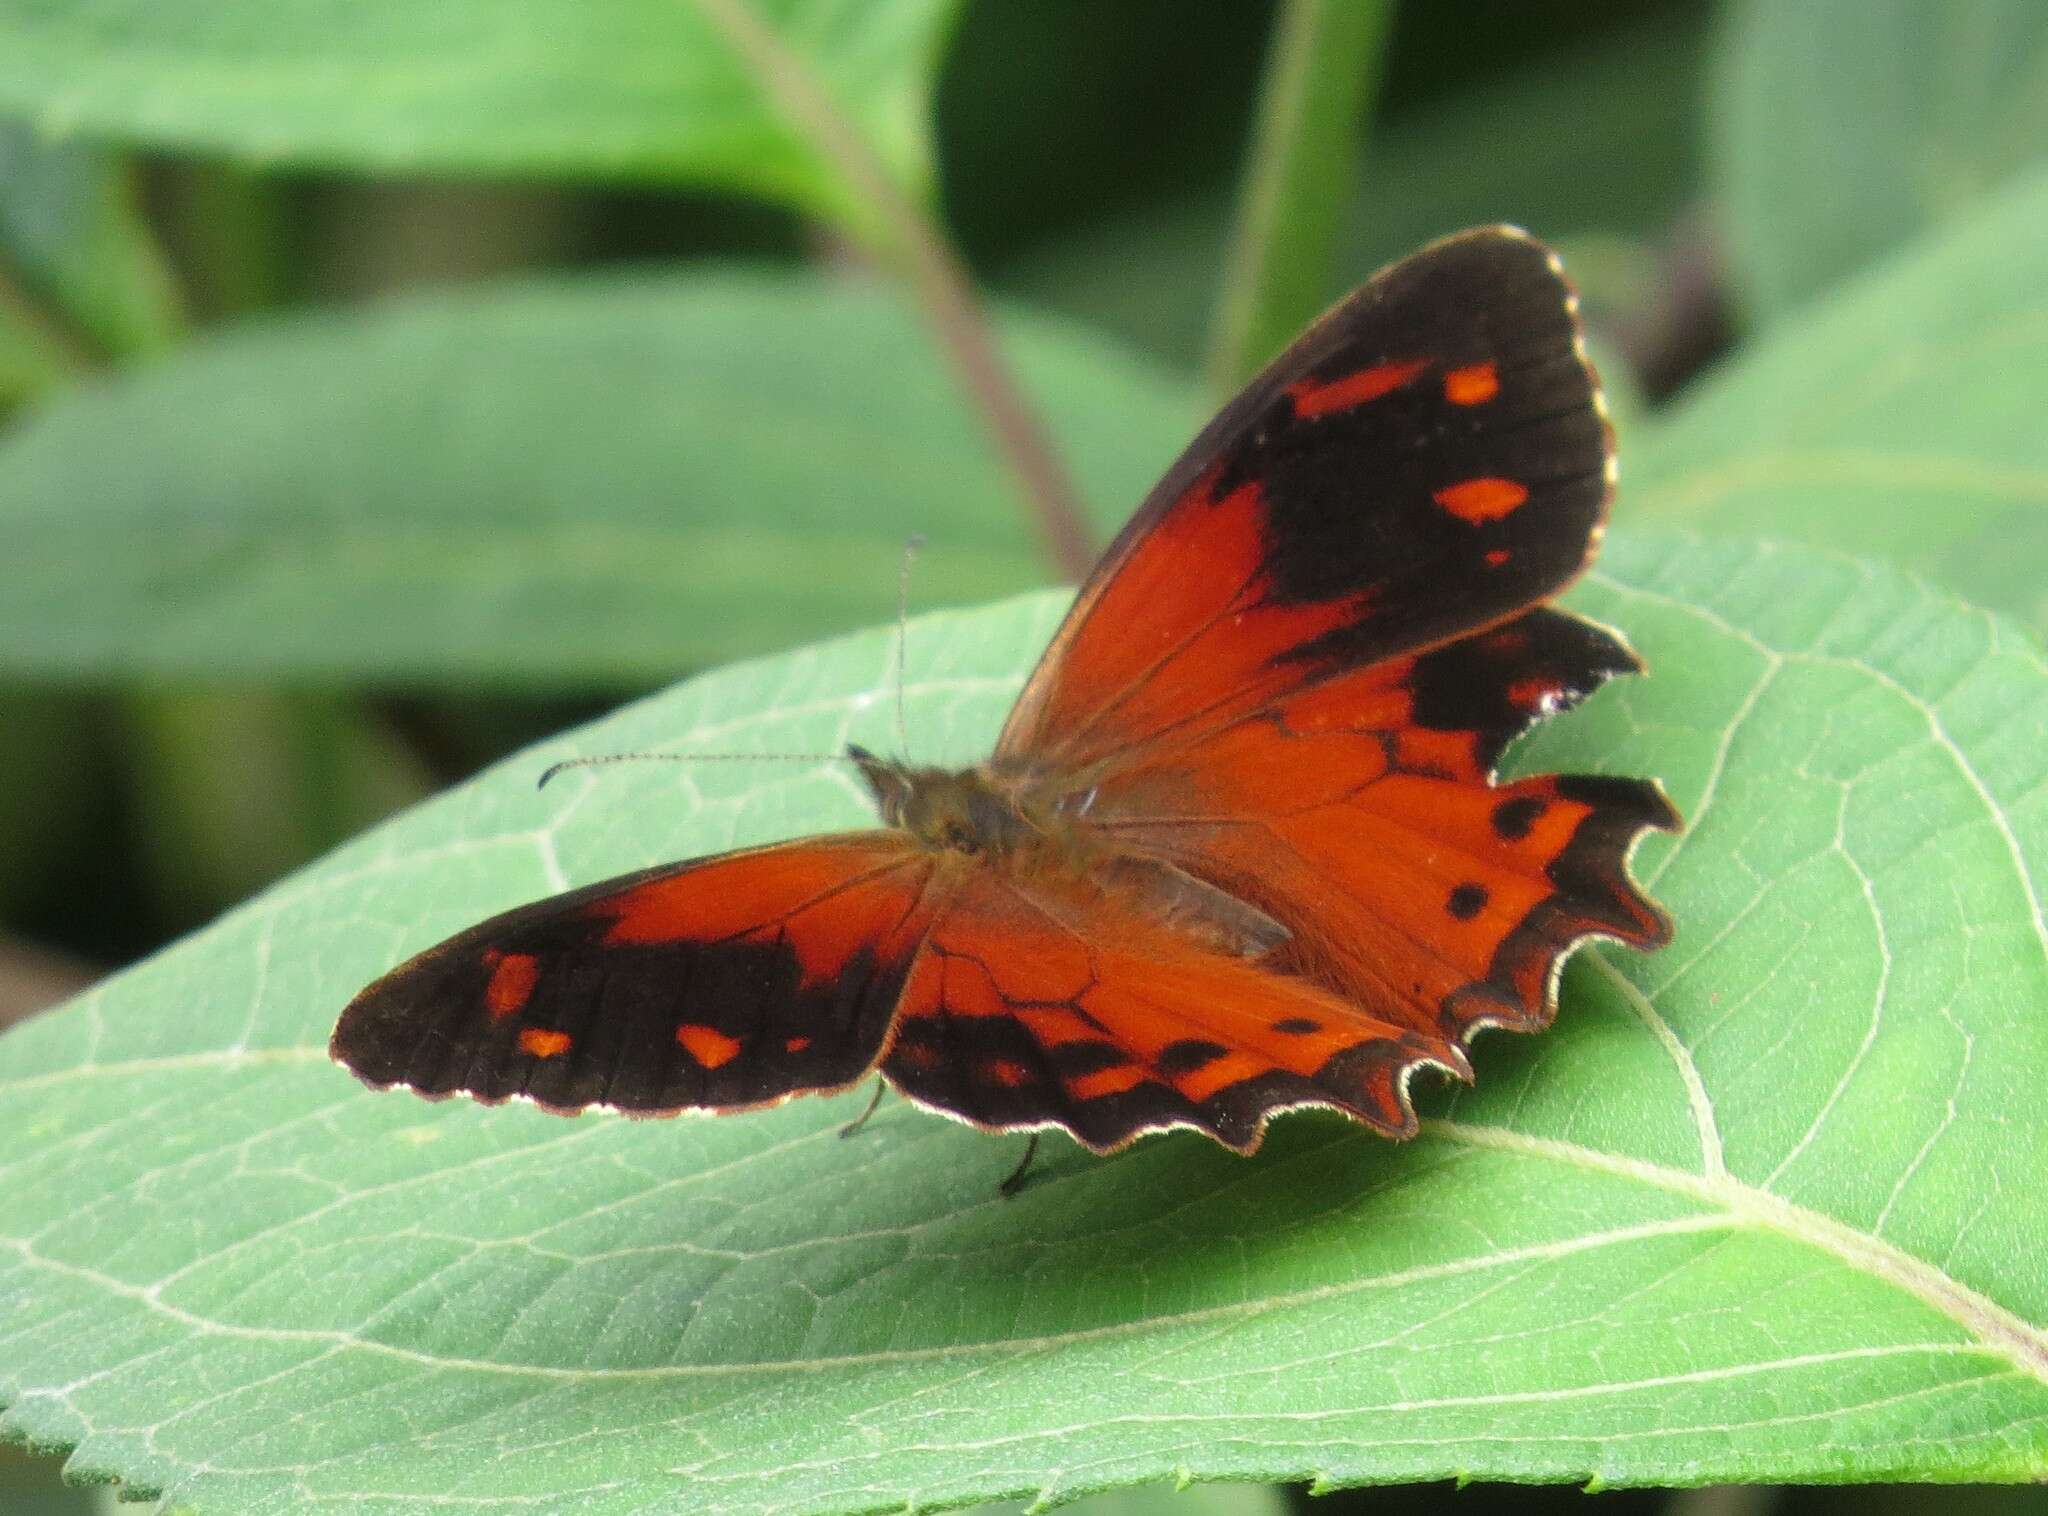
x=1239, y=848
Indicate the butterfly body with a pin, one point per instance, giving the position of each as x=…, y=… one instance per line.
x=1240, y=846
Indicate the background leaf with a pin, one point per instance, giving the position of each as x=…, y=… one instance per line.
x=1842, y=129
x=631, y=90
x=581, y=481
x=1900, y=417
x=1514, y=148
x=1764, y=1206
x=33, y=1489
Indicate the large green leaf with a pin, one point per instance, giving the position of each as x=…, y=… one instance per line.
x=1900, y=417
x=597, y=89
x=1764, y=1206
x=1845, y=128
x=541, y=483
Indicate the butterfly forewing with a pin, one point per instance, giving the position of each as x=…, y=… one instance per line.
x=717, y=985
x=1428, y=459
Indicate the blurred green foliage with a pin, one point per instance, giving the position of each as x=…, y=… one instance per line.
x=375, y=398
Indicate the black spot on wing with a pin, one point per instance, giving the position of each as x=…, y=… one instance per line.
x=1466, y=901
x=1188, y=1055
x=1070, y=1060
x=1514, y=819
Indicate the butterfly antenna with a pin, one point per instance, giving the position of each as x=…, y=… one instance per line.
x=910, y=546
x=597, y=758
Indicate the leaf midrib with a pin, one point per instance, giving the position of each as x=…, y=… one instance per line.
x=1728, y=1205
x=1994, y=1327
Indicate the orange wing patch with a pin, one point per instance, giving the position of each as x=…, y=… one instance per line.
x=1474, y=384
x=1478, y=500
x=708, y=1045
x=1321, y=397
x=512, y=979
x=1219, y=652
x=542, y=1043
x=678, y=907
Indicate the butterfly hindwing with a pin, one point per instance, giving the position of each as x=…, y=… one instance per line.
x=1361, y=813
x=1057, y=1002
x=718, y=984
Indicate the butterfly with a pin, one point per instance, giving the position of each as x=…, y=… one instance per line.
x=1239, y=848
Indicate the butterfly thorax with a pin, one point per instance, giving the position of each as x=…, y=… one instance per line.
x=1036, y=832
x=968, y=811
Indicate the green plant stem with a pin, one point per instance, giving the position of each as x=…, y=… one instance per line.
x=68, y=351
x=1320, y=78
x=908, y=238
x=229, y=223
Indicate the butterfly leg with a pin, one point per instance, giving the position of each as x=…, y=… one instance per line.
x=1009, y=1187
x=862, y=1119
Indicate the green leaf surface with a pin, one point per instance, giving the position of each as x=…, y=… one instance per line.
x=1842, y=129
x=1164, y=1500
x=1900, y=417
x=608, y=479
x=640, y=90
x=1765, y=1206
x=80, y=264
